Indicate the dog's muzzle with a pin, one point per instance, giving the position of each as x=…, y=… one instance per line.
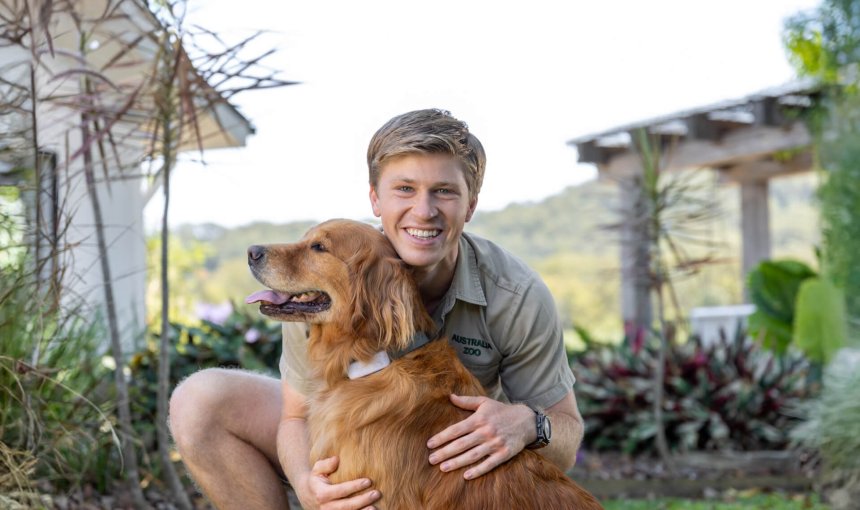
x=256, y=256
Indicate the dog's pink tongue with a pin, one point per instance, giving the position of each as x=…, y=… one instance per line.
x=270, y=296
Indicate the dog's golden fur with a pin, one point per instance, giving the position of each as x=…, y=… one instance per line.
x=379, y=424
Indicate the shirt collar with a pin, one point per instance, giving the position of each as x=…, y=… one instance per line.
x=466, y=285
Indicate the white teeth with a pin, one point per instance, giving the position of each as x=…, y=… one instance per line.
x=305, y=297
x=426, y=234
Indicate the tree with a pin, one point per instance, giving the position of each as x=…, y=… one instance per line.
x=180, y=94
x=165, y=102
x=667, y=213
x=824, y=44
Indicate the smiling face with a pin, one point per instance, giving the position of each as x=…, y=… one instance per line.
x=424, y=202
x=346, y=277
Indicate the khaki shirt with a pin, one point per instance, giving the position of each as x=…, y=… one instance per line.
x=501, y=320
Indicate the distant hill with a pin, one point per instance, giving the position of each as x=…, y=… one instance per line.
x=565, y=239
x=570, y=221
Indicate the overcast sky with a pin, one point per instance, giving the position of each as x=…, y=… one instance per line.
x=526, y=77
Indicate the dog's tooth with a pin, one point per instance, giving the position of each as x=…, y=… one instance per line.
x=305, y=297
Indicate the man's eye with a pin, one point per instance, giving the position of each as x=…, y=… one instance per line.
x=318, y=247
x=404, y=188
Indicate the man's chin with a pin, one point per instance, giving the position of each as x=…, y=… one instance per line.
x=419, y=260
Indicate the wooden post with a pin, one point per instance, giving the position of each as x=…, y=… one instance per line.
x=755, y=224
x=635, y=257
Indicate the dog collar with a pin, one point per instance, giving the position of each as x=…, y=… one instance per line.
x=419, y=339
x=381, y=359
x=358, y=369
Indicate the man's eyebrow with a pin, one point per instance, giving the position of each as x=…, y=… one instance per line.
x=409, y=180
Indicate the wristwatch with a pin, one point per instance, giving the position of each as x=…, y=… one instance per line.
x=544, y=430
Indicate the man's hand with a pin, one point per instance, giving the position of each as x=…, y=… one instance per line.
x=341, y=496
x=493, y=434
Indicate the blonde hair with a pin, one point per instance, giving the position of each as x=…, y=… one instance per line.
x=430, y=131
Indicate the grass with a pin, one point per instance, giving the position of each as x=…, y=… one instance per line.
x=740, y=501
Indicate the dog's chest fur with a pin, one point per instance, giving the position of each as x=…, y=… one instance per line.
x=379, y=425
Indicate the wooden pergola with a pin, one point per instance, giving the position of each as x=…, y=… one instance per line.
x=748, y=141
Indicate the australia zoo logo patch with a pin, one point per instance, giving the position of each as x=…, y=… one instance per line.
x=472, y=346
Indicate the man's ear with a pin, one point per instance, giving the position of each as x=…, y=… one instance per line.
x=473, y=203
x=374, y=202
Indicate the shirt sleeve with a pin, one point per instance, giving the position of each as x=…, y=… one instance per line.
x=294, y=357
x=534, y=369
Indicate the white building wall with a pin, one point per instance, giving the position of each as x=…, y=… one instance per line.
x=121, y=199
x=122, y=195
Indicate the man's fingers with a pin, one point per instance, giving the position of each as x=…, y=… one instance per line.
x=339, y=496
x=485, y=467
x=455, y=447
x=459, y=429
x=346, y=489
x=467, y=458
x=362, y=501
x=359, y=501
x=468, y=403
x=325, y=467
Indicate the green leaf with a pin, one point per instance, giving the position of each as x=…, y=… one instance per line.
x=773, y=287
x=773, y=333
x=820, y=326
x=644, y=431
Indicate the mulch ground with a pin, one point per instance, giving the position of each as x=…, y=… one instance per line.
x=607, y=475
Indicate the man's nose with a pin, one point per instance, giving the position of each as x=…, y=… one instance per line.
x=256, y=254
x=425, y=206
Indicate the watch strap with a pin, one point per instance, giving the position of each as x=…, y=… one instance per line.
x=542, y=426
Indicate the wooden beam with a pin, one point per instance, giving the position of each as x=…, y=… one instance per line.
x=589, y=152
x=700, y=127
x=741, y=145
x=767, y=169
x=767, y=112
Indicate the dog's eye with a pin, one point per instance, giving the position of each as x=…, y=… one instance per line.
x=318, y=247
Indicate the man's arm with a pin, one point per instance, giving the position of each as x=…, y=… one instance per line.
x=312, y=485
x=567, y=432
x=495, y=432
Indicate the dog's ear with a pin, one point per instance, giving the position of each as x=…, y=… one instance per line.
x=383, y=299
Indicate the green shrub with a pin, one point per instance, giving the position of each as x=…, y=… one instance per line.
x=55, y=412
x=728, y=395
x=226, y=337
x=832, y=426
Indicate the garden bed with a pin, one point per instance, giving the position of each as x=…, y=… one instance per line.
x=694, y=475
x=608, y=475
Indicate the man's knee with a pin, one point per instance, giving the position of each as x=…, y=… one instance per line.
x=194, y=405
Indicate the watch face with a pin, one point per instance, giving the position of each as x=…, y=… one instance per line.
x=547, y=428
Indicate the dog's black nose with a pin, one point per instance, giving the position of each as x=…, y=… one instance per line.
x=256, y=254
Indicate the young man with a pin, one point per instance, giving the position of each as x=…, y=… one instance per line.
x=239, y=432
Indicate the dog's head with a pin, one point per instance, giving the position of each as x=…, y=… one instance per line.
x=342, y=273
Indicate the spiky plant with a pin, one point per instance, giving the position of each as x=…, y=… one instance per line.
x=725, y=395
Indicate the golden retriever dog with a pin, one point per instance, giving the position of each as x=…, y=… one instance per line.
x=346, y=281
